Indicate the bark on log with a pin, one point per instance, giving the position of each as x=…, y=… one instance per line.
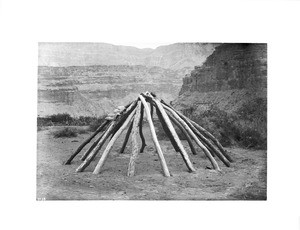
x=96, y=149
x=154, y=138
x=141, y=129
x=184, y=154
x=207, y=153
x=151, y=110
x=111, y=143
x=69, y=160
x=204, y=132
x=134, y=142
x=188, y=138
x=167, y=131
x=126, y=138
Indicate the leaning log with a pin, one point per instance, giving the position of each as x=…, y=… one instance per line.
x=96, y=149
x=215, y=140
x=154, y=138
x=166, y=130
x=134, y=142
x=126, y=138
x=141, y=129
x=123, y=117
x=111, y=143
x=85, y=155
x=213, y=150
x=205, y=150
x=86, y=142
x=182, y=151
x=206, y=133
x=185, y=133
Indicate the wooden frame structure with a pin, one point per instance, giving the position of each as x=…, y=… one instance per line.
x=132, y=116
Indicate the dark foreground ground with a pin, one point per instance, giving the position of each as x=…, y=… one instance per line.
x=245, y=180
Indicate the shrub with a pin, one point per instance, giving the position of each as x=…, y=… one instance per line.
x=66, y=132
x=66, y=119
x=246, y=128
x=62, y=118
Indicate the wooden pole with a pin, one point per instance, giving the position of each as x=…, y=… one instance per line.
x=215, y=140
x=135, y=146
x=122, y=118
x=188, y=138
x=167, y=131
x=69, y=160
x=207, y=153
x=84, y=156
x=141, y=129
x=96, y=149
x=154, y=138
x=184, y=154
x=207, y=143
x=111, y=143
x=126, y=138
x=151, y=110
x=204, y=132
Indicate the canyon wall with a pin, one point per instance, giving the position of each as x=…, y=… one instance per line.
x=97, y=90
x=232, y=75
x=92, y=78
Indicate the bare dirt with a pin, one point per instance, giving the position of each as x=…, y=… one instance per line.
x=244, y=180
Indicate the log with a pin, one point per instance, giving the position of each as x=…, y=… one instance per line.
x=124, y=116
x=96, y=149
x=215, y=140
x=206, y=133
x=188, y=138
x=167, y=131
x=69, y=160
x=126, y=138
x=182, y=151
x=134, y=142
x=205, y=150
x=141, y=129
x=212, y=149
x=84, y=156
x=151, y=110
x=154, y=138
x=111, y=143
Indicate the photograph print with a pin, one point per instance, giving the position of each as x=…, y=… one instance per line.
x=179, y=121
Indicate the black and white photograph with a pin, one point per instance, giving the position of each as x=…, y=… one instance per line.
x=183, y=121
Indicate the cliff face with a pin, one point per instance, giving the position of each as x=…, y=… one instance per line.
x=174, y=56
x=96, y=90
x=233, y=74
x=232, y=66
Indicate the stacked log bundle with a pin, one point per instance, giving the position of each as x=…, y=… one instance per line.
x=130, y=117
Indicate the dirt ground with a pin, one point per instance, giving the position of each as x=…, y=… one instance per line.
x=245, y=180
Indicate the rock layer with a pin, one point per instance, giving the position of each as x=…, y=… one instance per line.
x=232, y=74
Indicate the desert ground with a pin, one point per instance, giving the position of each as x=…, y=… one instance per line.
x=246, y=179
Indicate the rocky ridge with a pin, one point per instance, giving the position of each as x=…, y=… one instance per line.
x=233, y=74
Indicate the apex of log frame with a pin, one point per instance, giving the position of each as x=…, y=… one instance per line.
x=131, y=116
